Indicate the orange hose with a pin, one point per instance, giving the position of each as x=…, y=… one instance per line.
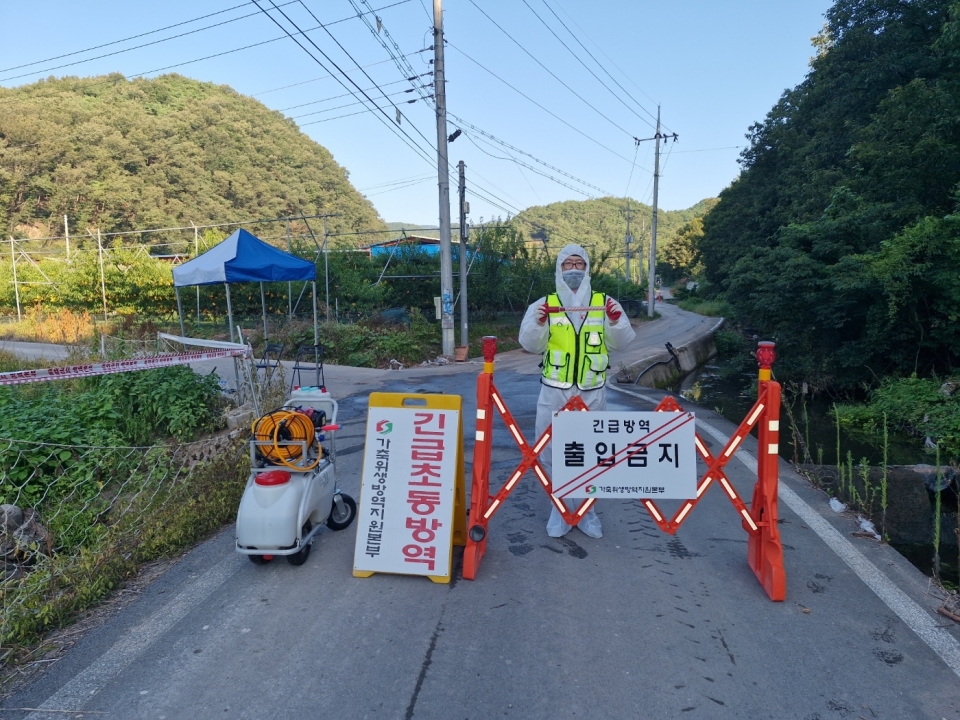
x=282, y=451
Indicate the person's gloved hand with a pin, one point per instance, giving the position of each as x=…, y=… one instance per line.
x=614, y=311
x=542, y=314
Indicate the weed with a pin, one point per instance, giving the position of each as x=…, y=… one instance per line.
x=937, y=519
x=883, y=478
x=864, y=469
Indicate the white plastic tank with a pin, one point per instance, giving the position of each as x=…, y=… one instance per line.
x=315, y=397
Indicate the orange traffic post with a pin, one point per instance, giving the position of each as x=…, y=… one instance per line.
x=764, y=550
x=480, y=489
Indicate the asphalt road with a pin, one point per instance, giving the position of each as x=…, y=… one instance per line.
x=636, y=624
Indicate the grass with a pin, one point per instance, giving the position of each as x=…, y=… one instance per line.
x=710, y=308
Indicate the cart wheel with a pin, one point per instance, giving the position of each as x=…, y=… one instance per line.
x=259, y=559
x=341, y=520
x=301, y=557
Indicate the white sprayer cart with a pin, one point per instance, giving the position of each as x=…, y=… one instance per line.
x=292, y=490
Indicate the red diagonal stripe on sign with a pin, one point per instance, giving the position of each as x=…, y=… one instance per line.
x=660, y=433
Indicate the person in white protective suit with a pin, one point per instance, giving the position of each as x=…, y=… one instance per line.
x=574, y=346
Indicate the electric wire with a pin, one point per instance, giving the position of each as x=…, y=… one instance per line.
x=592, y=57
x=386, y=120
x=395, y=182
x=552, y=74
x=113, y=80
x=636, y=149
x=549, y=112
x=600, y=48
x=337, y=97
x=520, y=163
x=135, y=47
x=126, y=39
x=340, y=107
x=399, y=187
x=338, y=117
x=508, y=146
x=357, y=64
x=587, y=67
x=324, y=77
x=405, y=68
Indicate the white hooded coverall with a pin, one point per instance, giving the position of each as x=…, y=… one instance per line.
x=533, y=338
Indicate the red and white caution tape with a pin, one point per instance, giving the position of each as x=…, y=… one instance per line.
x=20, y=377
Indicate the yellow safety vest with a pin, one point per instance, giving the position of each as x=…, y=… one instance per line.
x=573, y=357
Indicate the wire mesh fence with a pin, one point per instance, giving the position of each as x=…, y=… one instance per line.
x=75, y=520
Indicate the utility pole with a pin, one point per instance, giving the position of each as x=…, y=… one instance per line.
x=66, y=232
x=289, y=283
x=652, y=264
x=443, y=180
x=103, y=282
x=196, y=253
x=326, y=272
x=652, y=270
x=652, y=267
x=464, y=208
x=627, y=239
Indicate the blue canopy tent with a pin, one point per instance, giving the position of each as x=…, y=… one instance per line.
x=243, y=257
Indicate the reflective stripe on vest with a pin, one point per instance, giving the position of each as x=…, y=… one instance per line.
x=572, y=357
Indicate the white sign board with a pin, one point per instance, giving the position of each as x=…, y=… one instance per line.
x=405, y=519
x=624, y=454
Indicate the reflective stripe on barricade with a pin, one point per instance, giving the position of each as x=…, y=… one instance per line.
x=764, y=549
x=19, y=377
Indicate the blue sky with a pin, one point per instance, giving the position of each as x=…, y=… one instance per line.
x=713, y=67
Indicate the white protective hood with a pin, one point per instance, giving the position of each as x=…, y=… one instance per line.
x=569, y=298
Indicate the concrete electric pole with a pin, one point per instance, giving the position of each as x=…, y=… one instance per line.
x=464, y=209
x=627, y=239
x=443, y=179
x=652, y=266
x=652, y=272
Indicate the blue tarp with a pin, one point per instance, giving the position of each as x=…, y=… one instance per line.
x=243, y=257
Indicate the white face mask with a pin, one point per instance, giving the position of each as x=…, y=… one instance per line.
x=573, y=278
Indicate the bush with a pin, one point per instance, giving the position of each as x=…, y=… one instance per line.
x=924, y=407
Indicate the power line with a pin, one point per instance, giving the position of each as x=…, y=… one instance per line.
x=523, y=152
x=520, y=163
x=600, y=48
x=405, y=68
x=577, y=57
x=132, y=37
x=549, y=112
x=399, y=187
x=592, y=57
x=196, y=60
x=552, y=74
x=135, y=47
x=636, y=149
x=353, y=60
x=385, y=119
x=337, y=97
x=358, y=102
x=324, y=77
x=338, y=117
x=396, y=182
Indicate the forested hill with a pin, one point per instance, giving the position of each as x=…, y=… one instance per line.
x=120, y=155
x=841, y=238
x=600, y=225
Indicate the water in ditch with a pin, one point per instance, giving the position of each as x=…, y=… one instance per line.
x=729, y=388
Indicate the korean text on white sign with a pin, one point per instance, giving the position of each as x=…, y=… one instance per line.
x=405, y=518
x=624, y=455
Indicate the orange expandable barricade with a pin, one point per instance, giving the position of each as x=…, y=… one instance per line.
x=764, y=549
